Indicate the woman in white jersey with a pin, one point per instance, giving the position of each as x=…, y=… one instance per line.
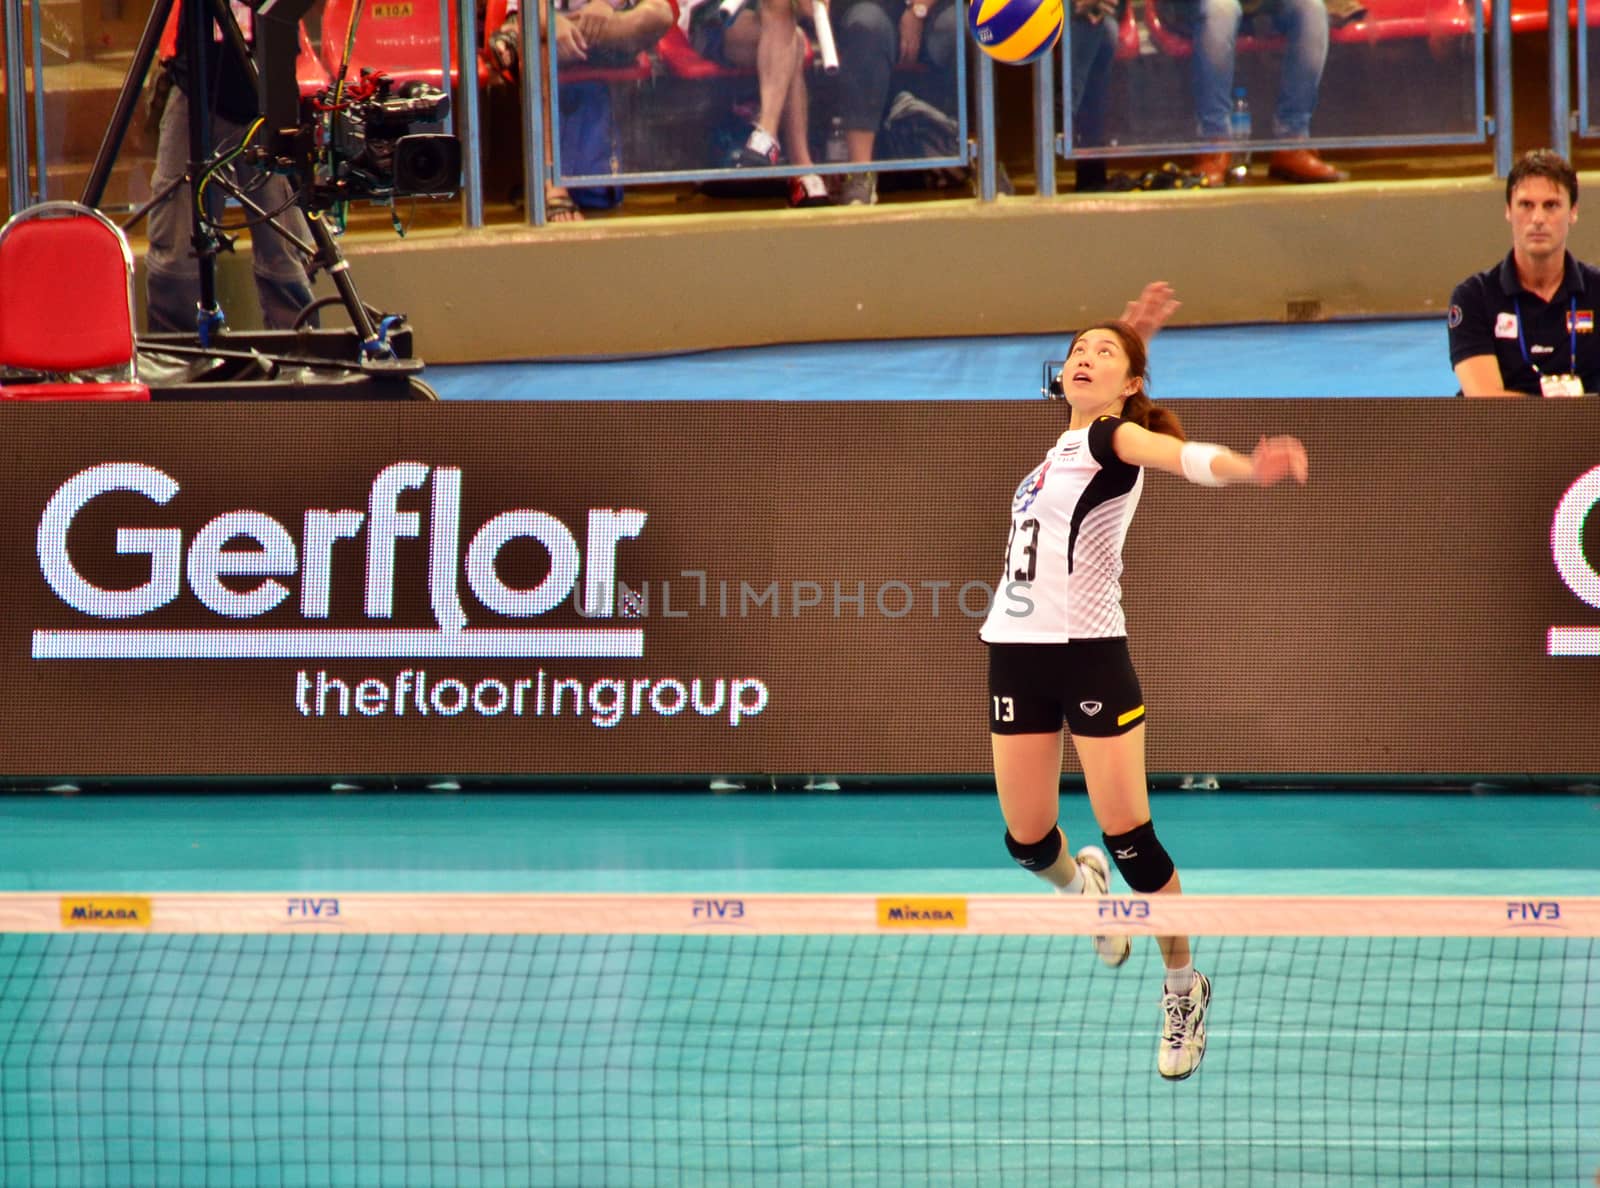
x=1058, y=647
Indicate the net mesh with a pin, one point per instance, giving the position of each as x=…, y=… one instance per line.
x=813, y=1059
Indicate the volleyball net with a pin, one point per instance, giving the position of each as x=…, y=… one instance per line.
x=790, y=1039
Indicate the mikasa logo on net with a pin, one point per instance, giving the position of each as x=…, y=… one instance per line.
x=275, y=553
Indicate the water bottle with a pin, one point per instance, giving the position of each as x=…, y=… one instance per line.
x=1239, y=130
x=837, y=150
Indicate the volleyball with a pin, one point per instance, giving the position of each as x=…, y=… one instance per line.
x=1015, y=31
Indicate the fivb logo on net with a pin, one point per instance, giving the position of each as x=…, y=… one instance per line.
x=277, y=554
x=1580, y=574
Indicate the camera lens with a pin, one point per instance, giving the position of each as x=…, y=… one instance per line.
x=427, y=163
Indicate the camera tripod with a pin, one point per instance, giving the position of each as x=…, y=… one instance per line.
x=379, y=347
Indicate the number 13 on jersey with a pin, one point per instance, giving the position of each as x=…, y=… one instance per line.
x=1030, y=551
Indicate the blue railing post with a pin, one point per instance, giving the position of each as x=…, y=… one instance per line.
x=16, y=108
x=1560, y=80
x=41, y=164
x=467, y=94
x=986, y=147
x=1044, y=120
x=1502, y=87
x=532, y=114
x=1584, y=116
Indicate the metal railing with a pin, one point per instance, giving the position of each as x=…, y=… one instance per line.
x=1466, y=56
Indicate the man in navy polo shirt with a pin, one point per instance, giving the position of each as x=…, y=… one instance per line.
x=1526, y=327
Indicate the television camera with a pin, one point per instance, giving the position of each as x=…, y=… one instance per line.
x=362, y=139
x=370, y=150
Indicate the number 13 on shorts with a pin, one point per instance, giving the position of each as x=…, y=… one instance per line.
x=1005, y=709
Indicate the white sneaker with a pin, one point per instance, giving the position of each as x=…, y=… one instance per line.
x=859, y=189
x=1096, y=869
x=809, y=190
x=760, y=149
x=1183, y=1035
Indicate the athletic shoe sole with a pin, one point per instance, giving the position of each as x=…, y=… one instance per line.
x=1113, y=950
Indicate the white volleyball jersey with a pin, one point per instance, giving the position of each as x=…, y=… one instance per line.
x=1069, y=518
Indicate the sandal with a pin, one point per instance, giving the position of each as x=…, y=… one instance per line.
x=504, y=50
x=559, y=207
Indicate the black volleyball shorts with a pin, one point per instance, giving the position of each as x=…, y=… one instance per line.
x=1088, y=683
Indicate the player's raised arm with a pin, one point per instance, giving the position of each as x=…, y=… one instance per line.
x=1273, y=459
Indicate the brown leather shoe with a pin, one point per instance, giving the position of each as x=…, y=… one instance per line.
x=1214, y=168
x=1303, y=165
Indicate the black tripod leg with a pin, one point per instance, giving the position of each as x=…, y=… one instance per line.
x=155, y=201
x=203, y=210
x=94, y=187
x=258, y=215
x=333, y=262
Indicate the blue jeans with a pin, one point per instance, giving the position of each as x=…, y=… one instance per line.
x=1094, y=48
x=869, y=49
x=1303, y=22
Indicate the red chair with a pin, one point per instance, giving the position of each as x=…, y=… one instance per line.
x=1386, y=20
x=682, y=61
x=309, y=71
x=66, y=304
x=1392, y=20
x=1533, y=16
x=1127, y=35
x=402, y=40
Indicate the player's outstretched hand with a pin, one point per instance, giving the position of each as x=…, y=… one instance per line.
x=1149, y=311
x=1278, y=458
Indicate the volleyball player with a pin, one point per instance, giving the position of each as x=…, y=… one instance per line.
x=1058, y=648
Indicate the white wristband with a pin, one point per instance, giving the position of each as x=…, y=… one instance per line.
x=1196, y=457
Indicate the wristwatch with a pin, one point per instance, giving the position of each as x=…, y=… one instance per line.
x=918, y=10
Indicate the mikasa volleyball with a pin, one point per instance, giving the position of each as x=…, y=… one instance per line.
x=1015, y=31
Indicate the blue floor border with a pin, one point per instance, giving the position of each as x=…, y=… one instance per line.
x=1404, y=358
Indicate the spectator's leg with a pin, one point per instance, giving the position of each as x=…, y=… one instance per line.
x=941, y=42
x=559, y=206
x=868, y=46
x=776, y=62
x=1215, y=35
x=1305, y=24
x=797, y=104
x=1216, y=32
x=765, y=41
x=1094, y=49
x=637, y=28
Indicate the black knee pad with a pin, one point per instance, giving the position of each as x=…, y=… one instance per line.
x=1039, y=855
x=1141, y=858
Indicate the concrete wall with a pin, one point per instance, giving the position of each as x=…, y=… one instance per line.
x=645, y=285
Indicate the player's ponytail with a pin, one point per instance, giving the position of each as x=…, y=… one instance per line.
x=1139, y=408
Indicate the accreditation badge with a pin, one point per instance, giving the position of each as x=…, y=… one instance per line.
x=1560, y=385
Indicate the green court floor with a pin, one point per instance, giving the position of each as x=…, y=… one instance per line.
x=1365, y=843
x=730, y=1060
